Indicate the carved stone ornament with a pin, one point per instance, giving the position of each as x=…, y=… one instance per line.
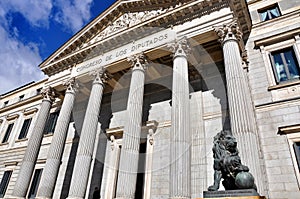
x=151, y=137
x=48, y=93
x=138, y=61
x=100, y=75
x=71, y=85
x=125, y=21
x=180, y=47
x=112, y=142
x=228, y=32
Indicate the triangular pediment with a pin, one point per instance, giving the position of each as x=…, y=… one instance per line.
x=122, y=17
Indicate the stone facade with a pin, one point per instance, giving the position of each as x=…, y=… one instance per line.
x=139, y=93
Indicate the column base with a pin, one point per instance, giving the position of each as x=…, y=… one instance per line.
x=13, y=197
x=240, y=197
x=41, y=197
x=74, y=198
x=180, y=198
x=124, y=198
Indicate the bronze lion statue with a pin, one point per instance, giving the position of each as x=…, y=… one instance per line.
x=228, y=166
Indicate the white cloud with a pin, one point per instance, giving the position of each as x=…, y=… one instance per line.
x=19, y=60
x=19, y=63
x=73, y=14
x=37, y=12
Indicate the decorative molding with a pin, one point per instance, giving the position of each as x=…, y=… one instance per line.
x=12, y=116
x=71, y=85
x=141, y=14
x=112, y=142
x=289, y=129
x=124, y=22
x=10, y=163
x=48, y=93
x=180, y=47
x=117, y=132
x=230, y=31
x=29, y=111
x=138, y=61
x=101, y=76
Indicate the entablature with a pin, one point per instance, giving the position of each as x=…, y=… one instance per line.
x=127, y=21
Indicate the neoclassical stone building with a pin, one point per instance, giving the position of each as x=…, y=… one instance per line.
x=133, y=100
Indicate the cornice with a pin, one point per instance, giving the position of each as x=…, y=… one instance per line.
x=21, y=103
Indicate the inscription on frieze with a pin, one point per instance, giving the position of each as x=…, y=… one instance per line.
x=149, y=42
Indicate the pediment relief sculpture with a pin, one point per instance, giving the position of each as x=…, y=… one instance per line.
x=124, y=22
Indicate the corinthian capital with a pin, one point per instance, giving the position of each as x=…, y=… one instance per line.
x=230, y=31
x=71, y=85
x=48, y=93
x=100, y=75
x=180, y=47
x=138, y=61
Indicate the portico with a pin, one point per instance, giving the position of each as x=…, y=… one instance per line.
x=123, y=75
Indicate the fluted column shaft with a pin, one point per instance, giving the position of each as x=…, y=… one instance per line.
x=53, y=162
x=33, y=146
x=180, y=168
x=87, y=138
x=242, y=118
x=131, y=138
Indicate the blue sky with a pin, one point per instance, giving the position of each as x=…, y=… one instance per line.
x=31, y=30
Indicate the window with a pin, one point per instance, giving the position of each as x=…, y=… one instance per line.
x=21, y=97
x=5, y=104
x=25, y=128
x=51, y=122
x=4, y=183
x=296, y=147
x=7, y=133
x=35, y=183
x=269, y=13
x=38, y=91
x=285, y=65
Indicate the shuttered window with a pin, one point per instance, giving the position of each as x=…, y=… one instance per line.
x=7, y=133
x=51, y=122
x=35, y=183
x=4, y=183
x=25, y=128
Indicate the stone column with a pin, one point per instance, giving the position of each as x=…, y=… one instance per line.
x=87, y=138
x=131, y=138
x=180, y=151
x=53, y=162
x=241, y=110
x=33, y=146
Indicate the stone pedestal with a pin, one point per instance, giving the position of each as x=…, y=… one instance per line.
x=233, y=194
